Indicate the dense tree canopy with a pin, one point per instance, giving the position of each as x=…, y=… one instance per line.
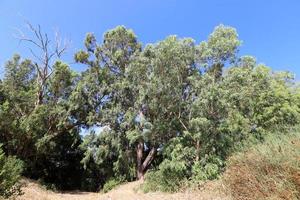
x=174, y=109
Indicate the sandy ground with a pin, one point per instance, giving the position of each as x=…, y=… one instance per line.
x=33, y=191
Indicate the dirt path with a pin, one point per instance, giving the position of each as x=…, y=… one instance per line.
x=33, y=191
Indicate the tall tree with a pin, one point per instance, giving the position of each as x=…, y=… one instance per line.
x=160, y=76
x=105, y=92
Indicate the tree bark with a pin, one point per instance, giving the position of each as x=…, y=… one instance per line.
x=39, y=98
x=139, y=156
x=197, y=150
x=142, y=166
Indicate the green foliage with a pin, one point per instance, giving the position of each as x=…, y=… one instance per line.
x=104, y=157
x=156, y=182
x=222, y=45
x=207, y=169
x=43, y=136
x=172, y=171
x=225, y=109
x=112, y=183
x=174, y=108
x=10, y=173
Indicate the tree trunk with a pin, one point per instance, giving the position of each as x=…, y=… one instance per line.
x=139, y=156
x=39, y=98
x=40, y=86
x=143, y=166
x=197, y=150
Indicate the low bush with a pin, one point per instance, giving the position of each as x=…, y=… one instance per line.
x=172, y=172
x=112, y=183
x=160, y=181
x=208, y=172
x=10, y=173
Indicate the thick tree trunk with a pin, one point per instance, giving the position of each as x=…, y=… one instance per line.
x=142, y=166
x=149, y=159
x=139, y=156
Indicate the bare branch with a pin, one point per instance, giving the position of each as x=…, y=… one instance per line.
x=32, y=29
x=49, y=75
x=59, y=49
x=37, y=57
x=38, y=69
x=45, y=57
x=30, y=41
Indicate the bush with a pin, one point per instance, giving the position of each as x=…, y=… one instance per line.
x=152, y=181
x=180, y=169
x=158, y=181
x=169, y=177
x=10, y=173
x=266, y=171
x=208, y=172
x=112, y=183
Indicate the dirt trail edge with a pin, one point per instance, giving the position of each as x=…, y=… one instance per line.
x=33, y=191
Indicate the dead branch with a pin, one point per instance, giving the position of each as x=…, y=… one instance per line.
x=44, y=52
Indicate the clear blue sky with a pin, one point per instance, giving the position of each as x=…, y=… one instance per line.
x=270, y=30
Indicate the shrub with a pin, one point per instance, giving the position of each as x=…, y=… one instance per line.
x=10, y=172
x=180, y=169
x=112, y=183
x=266, y=171
x=159, y=181
x=152, y=181
x=208, y=172
x=169, y=177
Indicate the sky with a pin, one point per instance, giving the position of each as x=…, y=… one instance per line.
x=270, y=30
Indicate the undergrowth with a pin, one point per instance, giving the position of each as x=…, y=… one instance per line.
x=112, y=183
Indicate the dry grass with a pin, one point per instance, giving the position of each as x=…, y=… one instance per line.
x=266, y=172
x=33, y=191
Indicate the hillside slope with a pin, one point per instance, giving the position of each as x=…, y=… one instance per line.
x=268, y=170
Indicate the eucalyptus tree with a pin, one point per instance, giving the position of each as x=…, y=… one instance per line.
x=104, y=97
x=208, y=107
x=161, y=78
x=141, y=95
